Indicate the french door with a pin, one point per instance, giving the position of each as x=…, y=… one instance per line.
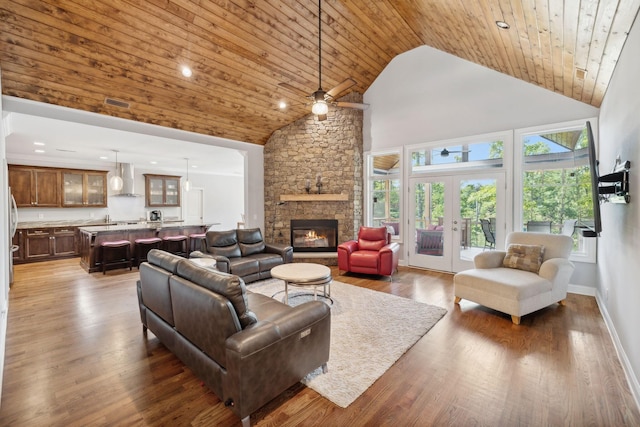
x=445, y=230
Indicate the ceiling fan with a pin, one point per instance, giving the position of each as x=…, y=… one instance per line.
x=321, y=98
x=445, y=152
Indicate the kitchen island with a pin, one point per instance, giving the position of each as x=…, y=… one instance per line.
x=92, y=236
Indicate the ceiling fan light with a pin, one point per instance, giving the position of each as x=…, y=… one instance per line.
x=320, y=107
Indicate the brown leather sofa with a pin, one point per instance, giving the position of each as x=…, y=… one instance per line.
x=246, y=347
x=244, y=253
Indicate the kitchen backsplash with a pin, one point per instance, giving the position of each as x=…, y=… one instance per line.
x=120, y=209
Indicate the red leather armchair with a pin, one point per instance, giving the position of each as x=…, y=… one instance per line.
x=372, y=253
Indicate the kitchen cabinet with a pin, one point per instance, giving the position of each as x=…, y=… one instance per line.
x=37, y=244
x=48, y=243
x=39, y=187
x=84, y=188
x=162, y=190
x=64, y=241
x=35, y=187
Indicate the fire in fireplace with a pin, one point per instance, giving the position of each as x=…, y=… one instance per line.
x=314, y=235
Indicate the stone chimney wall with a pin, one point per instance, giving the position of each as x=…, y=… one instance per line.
x=299, y=152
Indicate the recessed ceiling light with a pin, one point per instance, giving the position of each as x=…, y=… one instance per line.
x=186, y=71
x=153, y=162
x=503, y=25
x=39, y=151
x=38, y=143
x=104, y=158
x=282, y=105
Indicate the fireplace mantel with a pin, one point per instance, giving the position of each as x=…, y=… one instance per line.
x=314, y=197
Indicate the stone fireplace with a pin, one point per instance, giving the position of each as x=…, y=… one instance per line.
x=300, y=152
x=314, y=235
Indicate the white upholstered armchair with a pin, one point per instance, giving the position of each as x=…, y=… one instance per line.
x=532, y=273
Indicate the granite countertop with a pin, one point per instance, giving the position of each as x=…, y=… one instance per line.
x=141, y=225
x=91, y=223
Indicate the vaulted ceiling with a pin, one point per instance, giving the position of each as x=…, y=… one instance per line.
x=247, y=56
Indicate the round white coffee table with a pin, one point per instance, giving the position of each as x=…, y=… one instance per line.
x=304, y=275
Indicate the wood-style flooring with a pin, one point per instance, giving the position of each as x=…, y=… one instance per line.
x=76, y=356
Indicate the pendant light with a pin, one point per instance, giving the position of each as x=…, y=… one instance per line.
x=116, y=180
x=320, y=106
x=187, y=184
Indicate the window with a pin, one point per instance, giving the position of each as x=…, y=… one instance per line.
x=384, y=192
x=556, y=186
x=481, y=154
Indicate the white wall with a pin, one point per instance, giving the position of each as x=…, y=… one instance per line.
x=223, y=199
x=619, y=244
x=427, y=95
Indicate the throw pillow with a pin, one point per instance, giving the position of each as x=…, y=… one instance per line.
x=524, y=257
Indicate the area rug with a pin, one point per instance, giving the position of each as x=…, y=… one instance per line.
x=370, y=330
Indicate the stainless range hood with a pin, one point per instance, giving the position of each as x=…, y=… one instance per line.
x=126, y=172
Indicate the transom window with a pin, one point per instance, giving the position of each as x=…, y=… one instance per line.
x=484, y=153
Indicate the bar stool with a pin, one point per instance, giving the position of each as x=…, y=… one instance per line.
x=195, y=241
x=143, y=246
x=115, y=252
x=176, y=244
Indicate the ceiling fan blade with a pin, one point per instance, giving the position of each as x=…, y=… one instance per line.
x=293, y=89
x=341, y=87
x=354, y=105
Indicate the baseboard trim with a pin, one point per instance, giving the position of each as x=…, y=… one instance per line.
x=632, y=378
x=581, y=290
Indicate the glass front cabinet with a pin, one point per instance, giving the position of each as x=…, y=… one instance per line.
x=162, y=190
x=84, y=189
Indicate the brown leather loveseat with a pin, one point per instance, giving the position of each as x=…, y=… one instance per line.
x=246, y=347
x=244, y=253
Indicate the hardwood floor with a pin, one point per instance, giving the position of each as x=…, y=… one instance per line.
x=76, y=356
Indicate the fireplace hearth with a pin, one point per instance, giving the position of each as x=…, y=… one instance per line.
x=314, y=235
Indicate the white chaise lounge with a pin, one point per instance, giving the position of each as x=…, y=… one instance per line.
x=509, y=281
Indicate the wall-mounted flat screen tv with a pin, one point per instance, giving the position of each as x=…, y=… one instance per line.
x=595, y=195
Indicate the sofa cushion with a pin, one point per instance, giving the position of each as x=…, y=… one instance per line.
x=154, y=290
x=224, y=243
x=367, y=259
x=165, y=260
x=267, y=261
x=250, y=241
x=372, y=238
x=230, y=286
x=508, y=283
x=244, y=266
x=524, y=257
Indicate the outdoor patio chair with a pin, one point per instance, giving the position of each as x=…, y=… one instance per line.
x=489, y=237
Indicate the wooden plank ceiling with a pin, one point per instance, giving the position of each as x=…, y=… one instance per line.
x=77, y=53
